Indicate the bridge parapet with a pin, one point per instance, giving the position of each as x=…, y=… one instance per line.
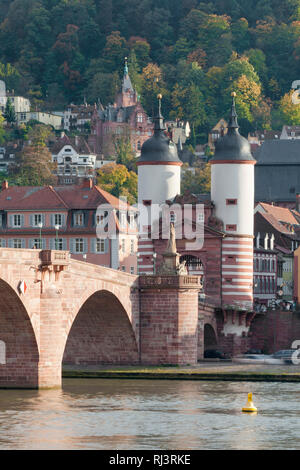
x=170, y=282
x=55, y=258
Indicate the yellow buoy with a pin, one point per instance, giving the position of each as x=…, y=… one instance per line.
x=249, y=408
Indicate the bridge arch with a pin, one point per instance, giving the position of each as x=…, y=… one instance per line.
x=101, y=332
x=210, y=337
x=19, y=349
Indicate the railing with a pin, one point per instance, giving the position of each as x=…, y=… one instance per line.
x=170, y=282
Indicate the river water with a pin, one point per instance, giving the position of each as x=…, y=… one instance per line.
x=151, y=414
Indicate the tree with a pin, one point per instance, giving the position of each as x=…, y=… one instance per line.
x=119, y=181
x=289, y=111
x=198, y=182
x=35, y=166
x=9, y=113
x=124, y=153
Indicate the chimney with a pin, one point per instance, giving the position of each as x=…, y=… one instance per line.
x=87, y=183
x=272, y=242
x=266, y=241
x=4, y=185
x=257, y=240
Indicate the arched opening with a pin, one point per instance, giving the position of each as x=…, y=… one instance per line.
x=194, y=265
x=19, y=350
x=210, y=338
x=101, y=333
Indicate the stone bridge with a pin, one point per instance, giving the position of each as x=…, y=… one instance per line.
x=56, y=310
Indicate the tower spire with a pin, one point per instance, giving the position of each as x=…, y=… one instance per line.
x=125, y=67
x=233, y=124
x=159, y=120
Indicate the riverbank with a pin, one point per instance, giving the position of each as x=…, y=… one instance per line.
x=226, y=371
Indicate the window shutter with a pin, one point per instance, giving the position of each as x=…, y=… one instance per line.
x=23, y=242
x=71, y=245
x=10, y=243
x=52, y=220
x=63, y=220
x=106, y=245
x=43, y=220
x=85, y=245
x=93, y=242
x=64, y=245
x=22, y=220
x=31, y=220
x=11, y=220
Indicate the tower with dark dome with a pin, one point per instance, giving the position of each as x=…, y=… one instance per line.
x=158, y=166
x=232, y=192
x=158, y=182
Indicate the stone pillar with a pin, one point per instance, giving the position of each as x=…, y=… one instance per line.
x=169, y=319
x=52, y=334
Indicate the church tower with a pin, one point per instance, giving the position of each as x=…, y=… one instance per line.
x=128, y=95
x=232, y=192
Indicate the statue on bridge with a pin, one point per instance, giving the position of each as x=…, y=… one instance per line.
x=171, y=265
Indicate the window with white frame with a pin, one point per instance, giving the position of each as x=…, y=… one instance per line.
x=17, y=220
x=59, y=244
x=37, y=243
x=100, y=218
x=139, y=117
x=37, y=219
x=131, y=220
x=123, y=245
x=123, y=219
x=131, y=269
x=79, y=245
x=58, y=219
x=79, y=218
x=17, y=243
x=132, y=247
x=100, y=245
x=123, y=268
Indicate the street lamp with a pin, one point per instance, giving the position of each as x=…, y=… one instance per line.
x=56, y=238
x=40, y=225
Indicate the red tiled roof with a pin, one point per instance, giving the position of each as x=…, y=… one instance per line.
x=275, y=223
x=30, y=198
x=282, y=214
x=59, y=197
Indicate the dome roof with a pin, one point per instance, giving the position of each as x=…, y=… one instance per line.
x=232, y=146
x=159, y=148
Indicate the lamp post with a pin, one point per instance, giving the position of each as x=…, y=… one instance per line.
x=56, y=238
x=40, y=225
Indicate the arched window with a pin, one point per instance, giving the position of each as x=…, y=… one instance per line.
x=193, y=264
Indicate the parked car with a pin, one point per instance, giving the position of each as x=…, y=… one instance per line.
x=215, y=354
x=251, y=358
x=254, y=351
x=284, y=356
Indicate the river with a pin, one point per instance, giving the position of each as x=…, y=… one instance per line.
x=151, y=414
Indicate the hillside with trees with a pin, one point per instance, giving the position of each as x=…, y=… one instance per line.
x=194, y=53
